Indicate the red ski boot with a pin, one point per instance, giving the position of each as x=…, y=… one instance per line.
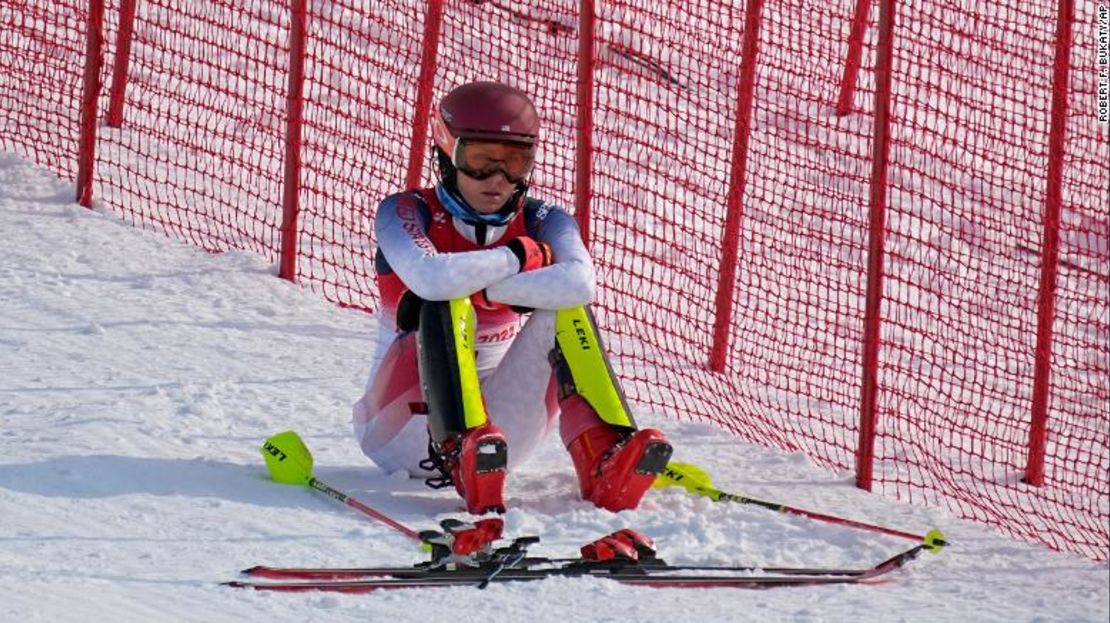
x=616, y=467
x=478, y=469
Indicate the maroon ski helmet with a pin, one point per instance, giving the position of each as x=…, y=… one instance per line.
x=484, y=111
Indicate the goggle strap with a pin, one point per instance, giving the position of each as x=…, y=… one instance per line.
x=456, y=153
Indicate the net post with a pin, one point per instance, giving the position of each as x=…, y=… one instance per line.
x=294, y=101
x=583, y=166
x=1050, y=245
x=122, y=61
x=852, y=60
x=737, y=183
x=880, y=153
x=433, y=21
x=94, y=61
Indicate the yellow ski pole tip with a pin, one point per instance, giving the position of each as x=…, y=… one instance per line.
x=935, y=541
x=686, y=475
x=691, y=472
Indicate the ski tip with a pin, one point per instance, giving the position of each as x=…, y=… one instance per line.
x=935, y=541
x=235, y=584
x=250, y=570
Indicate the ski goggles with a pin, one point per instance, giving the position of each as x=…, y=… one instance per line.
x=484, y=159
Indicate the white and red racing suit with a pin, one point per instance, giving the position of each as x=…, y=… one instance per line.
x=423, y=248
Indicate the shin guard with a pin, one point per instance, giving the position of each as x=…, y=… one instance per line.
x=616, y=463
x=468, y=449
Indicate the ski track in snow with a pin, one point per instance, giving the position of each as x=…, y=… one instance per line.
x=138, y=377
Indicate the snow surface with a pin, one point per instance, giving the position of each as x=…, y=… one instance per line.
x=138, y=377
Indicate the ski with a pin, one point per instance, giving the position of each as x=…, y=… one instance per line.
x=340, y=573
x=655, y=574
x=467, y=548
x=694, y=581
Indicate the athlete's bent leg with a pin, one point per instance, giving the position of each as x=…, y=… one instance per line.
x=520, y=392
x=616, y=462
x=466, y=446
x=389, y=419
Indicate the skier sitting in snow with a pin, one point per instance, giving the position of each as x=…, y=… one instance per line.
x=458, y=266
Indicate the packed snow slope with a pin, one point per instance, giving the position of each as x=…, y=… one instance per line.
x=138, y=377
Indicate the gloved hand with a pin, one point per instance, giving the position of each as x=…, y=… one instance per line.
x=531, y=253
x=408, y=311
